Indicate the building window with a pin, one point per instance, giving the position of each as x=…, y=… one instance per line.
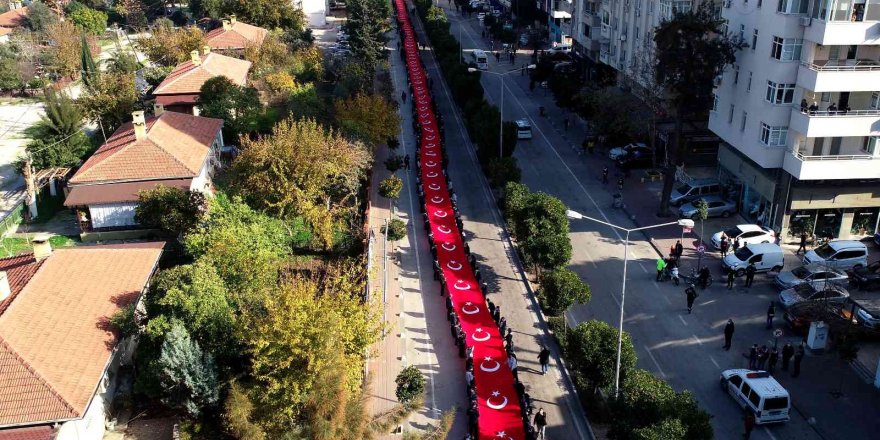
x=875, y=100
x=743, y=121
x=638, y=32
x=872, y=145
x=749, y=84
x=742, y=32
x=606, y=18
x=715, y=102
x=668, y=8
x=786, y=49
x=792, y=6
x=754, y=40
x=825, y=97
x=730, y=116
x=773, y=136
x=779, y=93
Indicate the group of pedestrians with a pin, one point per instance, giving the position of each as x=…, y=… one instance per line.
x=764, y=358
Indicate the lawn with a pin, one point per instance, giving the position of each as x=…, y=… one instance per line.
x=10, y=246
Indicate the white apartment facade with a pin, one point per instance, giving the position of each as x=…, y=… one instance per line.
x=799, y=114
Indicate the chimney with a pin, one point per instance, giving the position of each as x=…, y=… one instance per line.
x=140, y=125
x=11, y=5
x=206, y=50
x=42, y=247
x=5, y=290
x=232, y=19
x=195, y=58
x=158, y=109
x=227, y=25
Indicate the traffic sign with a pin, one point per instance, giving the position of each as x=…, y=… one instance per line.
x=686, y=230
x=777, y=333
x=701, y=249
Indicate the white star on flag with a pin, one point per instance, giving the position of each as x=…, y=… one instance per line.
x=468, y=303
x=501, y=434
x=495, y=394
x=479, y=329
x=488, y=358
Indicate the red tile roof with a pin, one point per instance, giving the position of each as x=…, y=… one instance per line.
x=14, y=18
x=83, y=195
x=56, y=336
x=175, y=147
x=19, y=270
x=188, y=77
x=238, y=36
x=29, y=433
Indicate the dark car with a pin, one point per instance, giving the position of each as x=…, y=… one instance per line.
x=637, y=157
x=866, y=277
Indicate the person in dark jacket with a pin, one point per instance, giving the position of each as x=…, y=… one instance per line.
x=749, y=424
x=771, y=312
x=750, y=274
x=691, y=295
x=541, y=423
x=728, y=334
x=725, y=245
x=803, y=244
x=753, y=357
x=771, y=362
x=679, y=249
x=798, y=357
x=544, y=359
x=787, y=353
x=731, y=278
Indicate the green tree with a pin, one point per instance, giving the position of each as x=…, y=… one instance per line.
x=188, y=375
x=39, y=17
x=390, y=188
x=57, y=139
x=302, y=170
x=539, y=224
x=696, y=36
x=503, y=170
x=168, y=47
x=173, y=210
x=269, y=14
x=546, y=251
x=666, y=429
x=410, y=384
x=109, y=100
x=88, y=70
x=65, y=55
x=238, y=414
x=122, y=61
x=560, y=289
x=10, y=76
x=207, y=8
x=238, y=106
x=89, y=20
x=591, y=347
x=395, y=230
x=394, y=162
x=371, y=118
x=366, y=25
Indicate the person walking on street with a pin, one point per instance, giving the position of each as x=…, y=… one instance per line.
x=679, y=249
x=541, y=423
x=691, y=295
x=403, y=97
x=771, y=312
x=749, y=424
x=731, y=277
x=704, y=277
x=803, y=245
x=753, y=357
x=771, y=362
x=511, y=363
x=406, y=161
x=798, y=357
x=620, y=183
x=544, y=359
x=661, y=264
x=750, y=274
x=762, y=357
x=604, y=175
x=787, y=353
x=725, y=244
x=728, y=334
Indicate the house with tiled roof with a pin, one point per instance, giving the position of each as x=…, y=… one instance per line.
x=59, y=356
x=179, y=91
x=171, y=149
x=235, y=36
x=12, y=19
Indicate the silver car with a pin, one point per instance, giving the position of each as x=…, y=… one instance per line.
x=807, y=292
x=816, y=275
x=718, y=207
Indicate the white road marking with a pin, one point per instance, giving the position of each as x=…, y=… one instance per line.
x=681, y=318
x=656, y=364
x=590, y=258
x=667, y=299
x=696, y=338
x=767, y=430
x=643, y=267
x=714, y=362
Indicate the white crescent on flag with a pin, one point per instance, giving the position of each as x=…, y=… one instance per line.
x=492, y=405
x=490, y=369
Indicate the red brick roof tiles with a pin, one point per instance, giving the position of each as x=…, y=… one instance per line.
x=239, y=36
x=189, y=78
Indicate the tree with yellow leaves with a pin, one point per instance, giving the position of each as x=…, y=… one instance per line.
x=302, y=170
x=368, y=117
x=167, y=46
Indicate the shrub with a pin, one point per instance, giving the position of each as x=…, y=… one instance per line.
x=410, y=384
x=390, y=188
x=501, y=171
x=395, y=230
x=560, y=289
x=394, y=162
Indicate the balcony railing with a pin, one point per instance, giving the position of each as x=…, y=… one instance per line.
x=835, y=157
x=840, y=113
x=858, y=66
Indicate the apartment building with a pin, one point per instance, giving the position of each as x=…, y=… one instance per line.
x=799, y=114
x=559, y=19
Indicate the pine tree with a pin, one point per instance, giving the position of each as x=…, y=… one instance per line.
x=188, y=375
x=58, y=139
x=89, y=70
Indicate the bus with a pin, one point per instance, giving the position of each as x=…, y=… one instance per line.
x=480, y=59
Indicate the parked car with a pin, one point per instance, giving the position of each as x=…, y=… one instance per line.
x=561, y=48
x=758, y=392
x=807, y=292
x=636, y=158
x=718, y=207
x=694, y=189
x=748, y=234
x=840, y=254
x=863, y=311
x=866, y=277
x=815, y=274
x=618, y=152
x=765, y=257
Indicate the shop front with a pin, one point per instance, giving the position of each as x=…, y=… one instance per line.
x=751, y=186
x=833, y=212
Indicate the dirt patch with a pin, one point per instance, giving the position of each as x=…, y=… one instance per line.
x=150, y=429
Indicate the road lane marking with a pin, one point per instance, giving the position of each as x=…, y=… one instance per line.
x=681, y=318
x=643, y=267
x=714, y=362
x=767, y=430
x=656, y=364
x=667, y=299
x=697, y=339
x=590, y=257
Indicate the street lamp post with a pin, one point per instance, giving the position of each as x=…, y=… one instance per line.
x=461, y=23
x=685, y=223
x=501, y=107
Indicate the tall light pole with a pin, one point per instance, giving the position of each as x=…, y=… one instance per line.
x=685, y=223
x=501, y=107
x=461, y=23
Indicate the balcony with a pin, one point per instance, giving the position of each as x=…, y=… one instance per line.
x=822, y=123
x=604, y=57
x=804, y=167
x=840, y=76
x=842, y=22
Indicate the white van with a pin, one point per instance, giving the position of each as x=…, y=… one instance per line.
x=523, y=129
x=839, y=254
x=480, y=59
x=758, y=392
x=765, y=256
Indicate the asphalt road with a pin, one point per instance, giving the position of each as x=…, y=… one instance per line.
x=683, y=348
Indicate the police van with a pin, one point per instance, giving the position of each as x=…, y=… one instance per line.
x=523, y=129
x=758, y=392
x=480, y=59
